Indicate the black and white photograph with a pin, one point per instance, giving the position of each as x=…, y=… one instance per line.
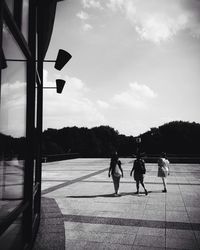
x=99, y=124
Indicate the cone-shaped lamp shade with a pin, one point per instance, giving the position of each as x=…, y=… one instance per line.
x=59, y=85
x=62, y=58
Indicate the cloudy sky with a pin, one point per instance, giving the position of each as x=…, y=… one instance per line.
x=135, y=64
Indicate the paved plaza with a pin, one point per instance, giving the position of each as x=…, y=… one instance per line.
x=89, y=216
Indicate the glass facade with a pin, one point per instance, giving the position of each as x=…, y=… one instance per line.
x=12, y=126
x=12, y=238
x=23, y=44
x=10, y=4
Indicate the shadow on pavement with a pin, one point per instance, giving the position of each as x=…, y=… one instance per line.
x=155, y=192
x=103, y=195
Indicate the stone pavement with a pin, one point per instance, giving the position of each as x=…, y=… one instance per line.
x=94, y=219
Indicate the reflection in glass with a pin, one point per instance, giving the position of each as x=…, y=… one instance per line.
x=12, y=126
x=10, y=47
x=12, y=237
x=25, y=9
x=10, y=4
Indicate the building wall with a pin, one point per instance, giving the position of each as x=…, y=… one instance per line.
x=21, y=118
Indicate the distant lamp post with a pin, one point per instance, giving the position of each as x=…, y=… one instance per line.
x=154, y=131
x=62, y=58
x=138, y=142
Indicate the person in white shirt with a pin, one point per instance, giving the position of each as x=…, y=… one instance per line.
x=163, y=170
x=116, y=171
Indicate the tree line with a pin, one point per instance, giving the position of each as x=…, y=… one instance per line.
x=176, y=138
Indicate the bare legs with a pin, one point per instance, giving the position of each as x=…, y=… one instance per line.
x=116, y=181
x=138, y=184
x=164, y=180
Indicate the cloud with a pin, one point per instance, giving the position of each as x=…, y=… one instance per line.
x=13, y=109
x=92, y=4
x=160, y=20
x=142, y=90
x=87, y=27
x=103, y=104
x=72, y=108
x=123, y=5
x=136, y=96
x=13, y=95
x=82, y=15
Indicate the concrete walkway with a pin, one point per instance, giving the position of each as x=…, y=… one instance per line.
x=95, y=219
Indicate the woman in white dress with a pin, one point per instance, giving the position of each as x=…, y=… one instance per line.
x=163, y=170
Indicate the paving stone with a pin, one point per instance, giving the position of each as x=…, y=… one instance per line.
x=100, y=228
x=181, y=243
x=92, y=218
x=150, y=241
x=100, y=237
x=146, y=248
x=151, y=231
x=88, y=245
x=177, y=233
x=177, y=216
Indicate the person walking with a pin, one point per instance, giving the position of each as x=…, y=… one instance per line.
x=116, y=171
x=139, y=171
x=163, y=170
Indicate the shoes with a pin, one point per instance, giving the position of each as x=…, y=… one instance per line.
x=117, y=194
x=146, y=192
x=137, y=192
x=164, y=191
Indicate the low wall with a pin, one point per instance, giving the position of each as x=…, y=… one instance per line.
x=174, y=159
x=148, y=159
x=59, y=157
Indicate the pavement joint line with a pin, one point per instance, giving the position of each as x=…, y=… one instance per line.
x=147, y=182
x=70, y=182
x=165, y=221
x=142, y=215
x=192, y=227
x=131, y=222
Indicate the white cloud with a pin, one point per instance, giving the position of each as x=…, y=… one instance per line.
x=160, y=20
x=82, y=15
x=103, y=104
x=13, y=109
x=92, y=4
x=160, y=27
x=72, y=108
x=87, y=27
x=128, y=99
x=142, y=90
x=116, y=4
x=136, y=96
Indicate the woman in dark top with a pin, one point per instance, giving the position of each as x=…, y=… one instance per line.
x=116, y=171
x=139, y=171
